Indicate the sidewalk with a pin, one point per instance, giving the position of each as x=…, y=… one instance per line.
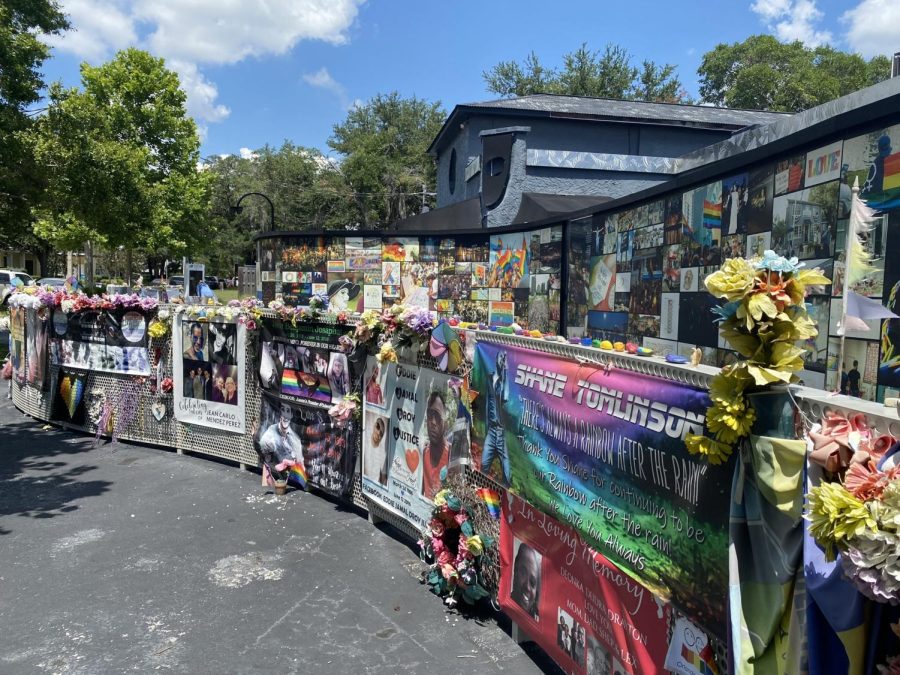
x=123, y=558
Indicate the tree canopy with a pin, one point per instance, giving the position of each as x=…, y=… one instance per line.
x=384, y=163
x=762, y=73
x=606, y=74
x=22, y=24
x=120, y=156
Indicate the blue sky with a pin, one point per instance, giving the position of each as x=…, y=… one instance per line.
x=261, y=72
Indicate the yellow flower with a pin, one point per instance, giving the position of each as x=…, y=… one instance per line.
x=441, y=498
x=715, y=452
x=835, y=516
x=733, y=280
x=475, y=545
x=157, y=329
x=387, y=353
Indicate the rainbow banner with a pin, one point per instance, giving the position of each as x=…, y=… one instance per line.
x=891, y=172
x=290, y=383
x=712, y=214
x=491, y=499
x=298, y=475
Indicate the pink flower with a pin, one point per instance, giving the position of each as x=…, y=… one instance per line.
x=437, y=527
x=460, y=518
x=437, y=546
x=445, y=557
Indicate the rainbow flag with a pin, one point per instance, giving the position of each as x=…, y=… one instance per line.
x=289, y=383
x=298, y=475
x=491, y=499
x=702, y=663
x=891, y=172
x=712, y=213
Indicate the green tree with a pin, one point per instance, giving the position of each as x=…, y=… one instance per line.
x=121, y=158
x=762, y=73
x=22, y=25
x=606, y=74
x=384, y=162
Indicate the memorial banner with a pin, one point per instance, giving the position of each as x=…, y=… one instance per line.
x=17, y=342
x=603, y=451
x=305, y=362
x=107, y=340
x=36, y=341
x=303, y=371
x=588, y=615
x=414, y=427
x=209, y=372
x=310, y=437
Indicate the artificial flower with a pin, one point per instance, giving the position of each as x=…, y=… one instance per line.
x=835, y=515
x=474, y=545
x=715, y=452
x=775, y=263
x=733, y=280
x=387, y=353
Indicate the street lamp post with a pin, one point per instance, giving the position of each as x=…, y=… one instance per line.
x=235, y=210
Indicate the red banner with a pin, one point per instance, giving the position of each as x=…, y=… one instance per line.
x=588, y=615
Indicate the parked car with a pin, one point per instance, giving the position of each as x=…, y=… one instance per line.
x=176, y=281
x=55, y=282
x=212, y=282
x=6, y=277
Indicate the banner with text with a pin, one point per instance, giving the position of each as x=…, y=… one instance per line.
x=413, y=427
x=304, y=362
x=603, y=451
x=308, y=436
x=107, y=340
x=304, y=370
x=588, y=615
x=209, y=372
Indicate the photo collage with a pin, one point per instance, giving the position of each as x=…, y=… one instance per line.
x=639, y=273
x=496, y=279
x=209, y=362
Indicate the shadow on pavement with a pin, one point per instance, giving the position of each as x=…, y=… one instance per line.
x=37, y=478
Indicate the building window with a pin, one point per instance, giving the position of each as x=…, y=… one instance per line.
x=495, y=166
x=452, y=171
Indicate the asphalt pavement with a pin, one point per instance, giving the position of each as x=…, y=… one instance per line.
x=123, y=558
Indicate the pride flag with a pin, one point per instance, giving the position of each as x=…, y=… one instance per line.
x=298, y=474
x=491, y=499
x=290, y=384
x=891, y=172
x=712, y=213
x=702, y=662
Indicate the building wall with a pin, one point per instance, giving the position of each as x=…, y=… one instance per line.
x=561, y=135
x=17, y=260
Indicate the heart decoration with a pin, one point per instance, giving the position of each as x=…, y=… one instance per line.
x=71, y=389
x=159, y=410
x=412, y=459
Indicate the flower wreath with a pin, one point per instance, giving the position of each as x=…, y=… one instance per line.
x=456, y=553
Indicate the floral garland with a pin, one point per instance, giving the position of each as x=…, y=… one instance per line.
x=75, y=301
x=455, y=552
x=764, y=318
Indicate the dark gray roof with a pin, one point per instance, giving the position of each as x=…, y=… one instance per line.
x=597, y=109
x=635, y=110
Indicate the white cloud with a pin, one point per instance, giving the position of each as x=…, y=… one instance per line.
x=322, y=79
x=99, y=28
x=791, y=20
x=213, y=31
x=874, y=27
x=247, y=153
x=201, y=93
x=193, y=33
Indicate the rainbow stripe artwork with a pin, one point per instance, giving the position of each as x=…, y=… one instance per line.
x=712, y=214
x=702, y=663
x=298, y=475
x=290, y=383
x=891, y=172
x=491, y=499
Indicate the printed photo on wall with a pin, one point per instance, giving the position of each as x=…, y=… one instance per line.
x=735, y=193
x=803, y=223
x=874, y=158
x=759, y=199
x=789, y=174
x=525, y=587
x=602, y=282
